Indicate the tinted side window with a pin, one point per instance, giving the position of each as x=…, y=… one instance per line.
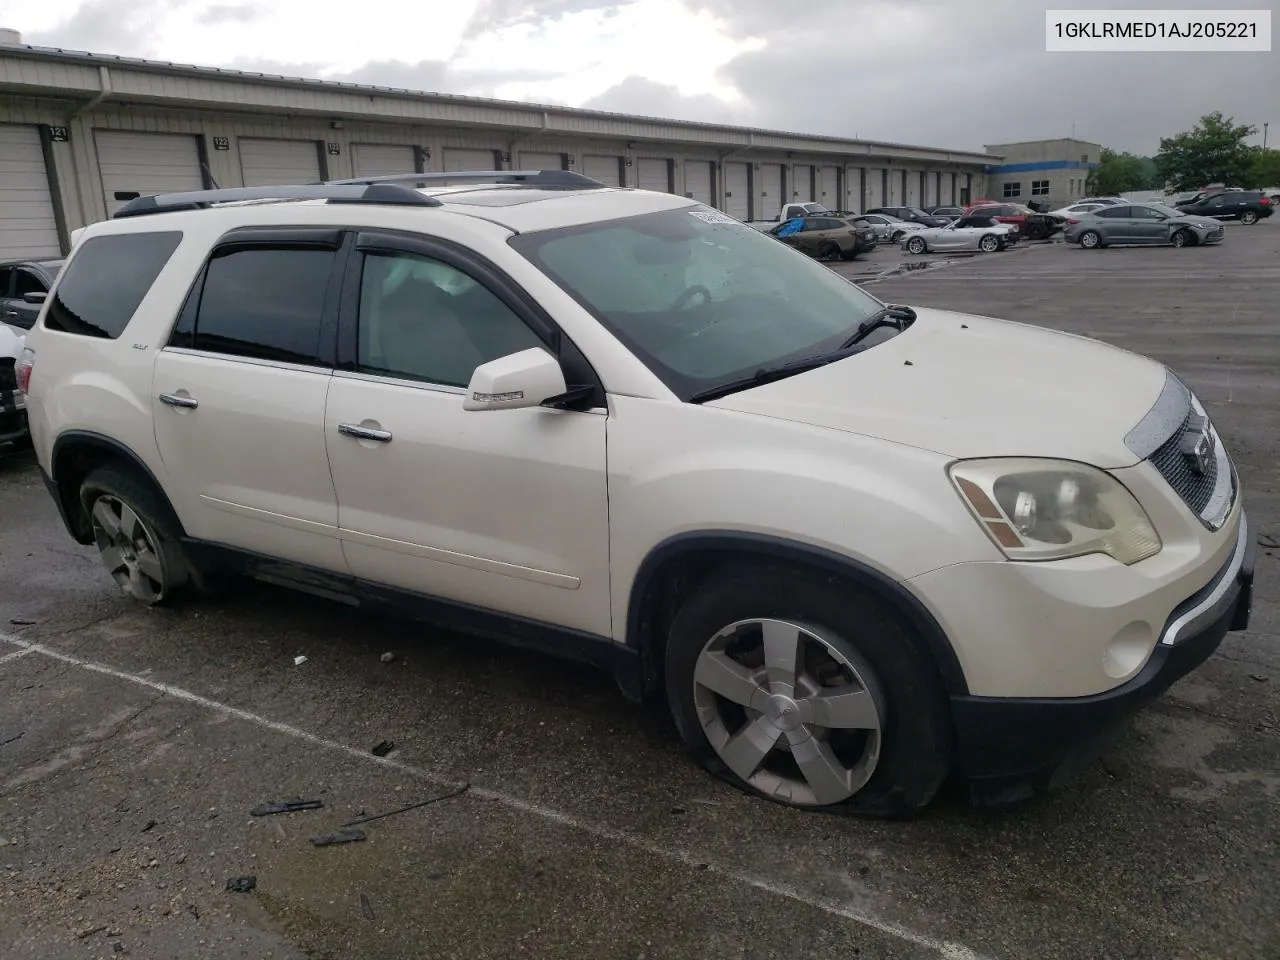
x=265, y=304
x=421, y=319
x=6, y=277
x=27, y=282
x=106, y=280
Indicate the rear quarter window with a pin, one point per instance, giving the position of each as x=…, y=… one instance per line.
x=106, y=280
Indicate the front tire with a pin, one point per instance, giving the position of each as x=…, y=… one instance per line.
x=1180, y=239
x=807, y=693
x=917, y=245
x=1091, y=240
x=137, y=539
x=989, y=244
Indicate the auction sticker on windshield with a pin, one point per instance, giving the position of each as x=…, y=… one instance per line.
x=711, y=216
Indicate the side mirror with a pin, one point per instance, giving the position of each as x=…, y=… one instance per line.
x=524, y=379
x=36, y=297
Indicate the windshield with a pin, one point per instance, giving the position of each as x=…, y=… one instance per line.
x=699, y=297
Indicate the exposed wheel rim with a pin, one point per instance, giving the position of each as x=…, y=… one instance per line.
x=128, y=549
x=915, y=245
x=1249, y=218
x=988, y=244
x=787, y=712
x=1179, y=239
x=1089, y=239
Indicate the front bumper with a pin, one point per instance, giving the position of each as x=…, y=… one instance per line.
x=1012, y=748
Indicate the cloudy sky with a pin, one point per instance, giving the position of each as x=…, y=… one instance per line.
x=945, y=73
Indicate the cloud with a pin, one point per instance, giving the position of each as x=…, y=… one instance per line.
x=942, y=73
x=228, y=13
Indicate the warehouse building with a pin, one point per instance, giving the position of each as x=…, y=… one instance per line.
x=1055, y=172
x=82, y=133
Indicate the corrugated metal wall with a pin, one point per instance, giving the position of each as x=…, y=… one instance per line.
x=77, y=170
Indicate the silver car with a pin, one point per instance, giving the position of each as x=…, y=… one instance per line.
x=983, y=234
x=885, y=227
x=1144, y=223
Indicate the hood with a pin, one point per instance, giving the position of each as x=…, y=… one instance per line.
x=966, y=386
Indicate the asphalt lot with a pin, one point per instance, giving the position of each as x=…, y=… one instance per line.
x=133, y=744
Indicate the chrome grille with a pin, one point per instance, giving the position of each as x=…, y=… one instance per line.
x=1178, y=469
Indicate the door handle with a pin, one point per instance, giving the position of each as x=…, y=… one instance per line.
x=11, y=313
x=358, y=432
x=175, y=401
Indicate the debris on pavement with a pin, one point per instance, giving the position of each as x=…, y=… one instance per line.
x=91, y=931
x=366, y=908
x=151, y=825
x=299, y=661
x=288, y=806
x=16, y=736
x=241, y=884
x=387, y=657
x=22, y=622
x=1261, y=678
x=413, y=806
x=382, y=749
x=342, y=836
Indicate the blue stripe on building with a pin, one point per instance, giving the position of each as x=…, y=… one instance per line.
x=1042, y=165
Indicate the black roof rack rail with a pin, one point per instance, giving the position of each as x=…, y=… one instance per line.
x=546, y=179
x=352, y=192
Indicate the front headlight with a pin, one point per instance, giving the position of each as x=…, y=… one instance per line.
x=1052, y=509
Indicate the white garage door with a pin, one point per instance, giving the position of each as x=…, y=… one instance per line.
x=605, y=169
x=541, y=161
x=266, y=163
x=829, y=187
x=457, y=160
x=27, y=225
x=146, y=164
x=653, y=174
x=875, y=188
x=853, y=189
x=802, y=183
x=382, y=160
x=770, y=190
x=697, y=181
x=737, y=190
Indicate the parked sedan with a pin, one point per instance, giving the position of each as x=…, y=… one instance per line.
x=885, y=227
x=982, y=234
x=23, y=286
x=1149, y=223
x=827, y=238
x=912, y=215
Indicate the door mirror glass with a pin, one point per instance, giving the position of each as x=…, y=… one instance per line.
x=524, y=379
x=34, y=296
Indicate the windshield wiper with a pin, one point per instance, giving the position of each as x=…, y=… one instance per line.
x=770, y=374
x=891, y=315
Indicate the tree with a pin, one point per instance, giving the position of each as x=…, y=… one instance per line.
x=1265, y=169
x=1214, y=151
x=1118, y=173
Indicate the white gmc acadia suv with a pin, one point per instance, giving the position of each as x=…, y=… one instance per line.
x=856, y=545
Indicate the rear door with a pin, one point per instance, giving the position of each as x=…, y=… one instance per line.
x=239, y=394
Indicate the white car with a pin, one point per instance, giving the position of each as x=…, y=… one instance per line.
x=961, y=234
x=857, y=546
x=886, y=228
x=13, y=404
x=1075, y=209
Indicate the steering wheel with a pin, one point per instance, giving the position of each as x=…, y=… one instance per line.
x=683, y=301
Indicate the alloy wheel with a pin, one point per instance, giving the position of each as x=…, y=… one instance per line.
x=788, y=712
x=989, y=243
x=128, y=549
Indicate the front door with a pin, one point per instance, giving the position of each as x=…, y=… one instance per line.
x=238, y=400
x=500, y=509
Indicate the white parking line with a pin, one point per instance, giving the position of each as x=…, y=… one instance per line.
x=945, y=949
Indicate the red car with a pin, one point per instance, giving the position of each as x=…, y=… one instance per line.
x=1028, y=223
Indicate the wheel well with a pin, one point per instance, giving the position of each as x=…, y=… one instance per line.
x=77, y=455
x=674, y=570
